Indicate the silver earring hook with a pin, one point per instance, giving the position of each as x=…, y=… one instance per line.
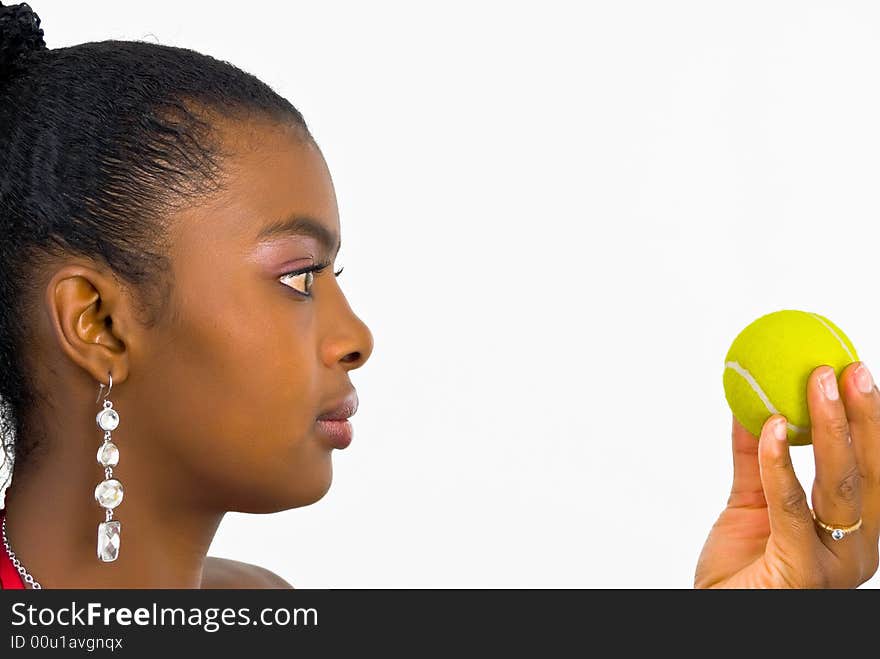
x=110, y=375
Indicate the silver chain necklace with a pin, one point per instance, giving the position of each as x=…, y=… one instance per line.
x=17, y=563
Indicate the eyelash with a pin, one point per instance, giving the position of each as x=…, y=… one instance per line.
x=318, y=267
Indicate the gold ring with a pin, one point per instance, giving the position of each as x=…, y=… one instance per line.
x=837, y=532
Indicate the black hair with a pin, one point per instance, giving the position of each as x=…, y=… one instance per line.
x=98, y=142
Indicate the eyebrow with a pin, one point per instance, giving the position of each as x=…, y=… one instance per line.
x=302, y=225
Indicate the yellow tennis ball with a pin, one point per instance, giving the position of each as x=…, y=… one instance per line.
x=768, y=365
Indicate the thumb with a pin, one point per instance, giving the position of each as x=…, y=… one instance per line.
x=791, y=523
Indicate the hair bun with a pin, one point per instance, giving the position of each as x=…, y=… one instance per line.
x=20, y=33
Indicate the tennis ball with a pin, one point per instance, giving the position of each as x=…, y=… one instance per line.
x=768, y=365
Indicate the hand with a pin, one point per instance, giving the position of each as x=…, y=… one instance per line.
x=766, y=537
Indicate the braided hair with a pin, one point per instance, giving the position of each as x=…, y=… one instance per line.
x=98, y=143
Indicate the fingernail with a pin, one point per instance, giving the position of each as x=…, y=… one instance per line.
x=780, y=429
x=828, y=382
x=864, y=381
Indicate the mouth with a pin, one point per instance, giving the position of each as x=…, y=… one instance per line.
x=334, y=423
x=343, y=409
x=338, y=431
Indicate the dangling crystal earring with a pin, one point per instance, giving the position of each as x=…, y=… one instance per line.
x=108, y=493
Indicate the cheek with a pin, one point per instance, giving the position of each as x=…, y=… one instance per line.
x=237, y=386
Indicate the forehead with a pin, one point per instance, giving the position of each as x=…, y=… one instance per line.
x=271, y=172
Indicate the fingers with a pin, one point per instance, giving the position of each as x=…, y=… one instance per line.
x=837, y=488
x=862, y=402
x=746, y=490
x=790, y=521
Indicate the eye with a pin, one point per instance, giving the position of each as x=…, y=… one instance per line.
x=301, y=282
x=305, y=278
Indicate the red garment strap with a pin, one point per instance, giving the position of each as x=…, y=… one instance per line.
x=10, y=579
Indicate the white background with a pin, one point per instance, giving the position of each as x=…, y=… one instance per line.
x=555, y=221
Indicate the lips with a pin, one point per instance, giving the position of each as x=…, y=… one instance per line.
x=342, y=409
x=338, y=432
x=334, y=423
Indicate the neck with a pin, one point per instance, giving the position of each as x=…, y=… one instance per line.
x=52, y=519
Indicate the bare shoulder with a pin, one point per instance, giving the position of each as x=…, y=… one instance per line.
x=227, y=573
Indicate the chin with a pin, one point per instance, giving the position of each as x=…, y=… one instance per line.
x=302, y=488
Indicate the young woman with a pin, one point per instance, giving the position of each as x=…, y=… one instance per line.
x=168, y=232
x=171, y=325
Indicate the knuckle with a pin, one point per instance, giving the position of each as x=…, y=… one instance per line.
x=793, y=502
x=848, y=486
x=836, y=426
x=746, y=499
x=779, y=464
x=872, y=414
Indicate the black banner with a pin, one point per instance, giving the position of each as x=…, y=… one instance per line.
x=416, y=622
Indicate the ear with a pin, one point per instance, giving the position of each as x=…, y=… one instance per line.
x=90, y=318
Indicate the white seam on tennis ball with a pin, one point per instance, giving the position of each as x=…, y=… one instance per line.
x=834, y=334
x=753, y=383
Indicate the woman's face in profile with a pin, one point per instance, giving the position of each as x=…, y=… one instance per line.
x=234, y=381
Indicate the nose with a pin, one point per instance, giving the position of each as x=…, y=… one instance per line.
x=350, y=342
x=356, y=357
